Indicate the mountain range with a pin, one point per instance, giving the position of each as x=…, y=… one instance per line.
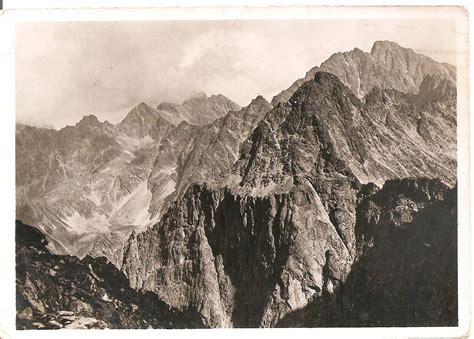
x=234, y=216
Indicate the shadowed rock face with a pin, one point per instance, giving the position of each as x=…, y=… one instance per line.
x=65, y=292
x=406, y=270
x=435, y=89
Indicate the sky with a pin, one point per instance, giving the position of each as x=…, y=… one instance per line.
x=66, y=70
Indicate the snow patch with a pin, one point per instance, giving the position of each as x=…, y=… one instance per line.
x=167, y=190
x=106, y=297
x=167, y=170
x=132, y=210
x=95, y=197
x=81, y=224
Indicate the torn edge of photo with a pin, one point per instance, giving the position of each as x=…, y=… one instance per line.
x=302, y=169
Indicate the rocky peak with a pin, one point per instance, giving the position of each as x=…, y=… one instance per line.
x=260, y=101
x=143, y=120
x=198, y=110
x=309, y=100
x=215, y=104
x=326, y=128
x=327, y=80
x=357, y=50
x=141, y=111
x=196, y=99
x=284, y=95
x=89, y=121
x=166, y=106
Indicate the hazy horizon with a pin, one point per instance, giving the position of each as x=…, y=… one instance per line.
x=65, y=71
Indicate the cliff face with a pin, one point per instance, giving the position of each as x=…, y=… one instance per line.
x=241, y=261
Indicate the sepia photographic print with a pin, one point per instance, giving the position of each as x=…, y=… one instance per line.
x=252, y=168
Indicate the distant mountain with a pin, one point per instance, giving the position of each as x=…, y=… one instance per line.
x=387, y=66
x=198, y=110
x=90, y=185
x=144, y=121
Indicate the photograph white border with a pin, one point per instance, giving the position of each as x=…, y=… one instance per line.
x=9, y=18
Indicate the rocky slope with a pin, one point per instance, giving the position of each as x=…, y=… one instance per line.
x=387, y=66
x=252, y=248
x=65, y=292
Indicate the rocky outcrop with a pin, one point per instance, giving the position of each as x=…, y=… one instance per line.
x=387, y=66
x=65, y=292
x=406, y=269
